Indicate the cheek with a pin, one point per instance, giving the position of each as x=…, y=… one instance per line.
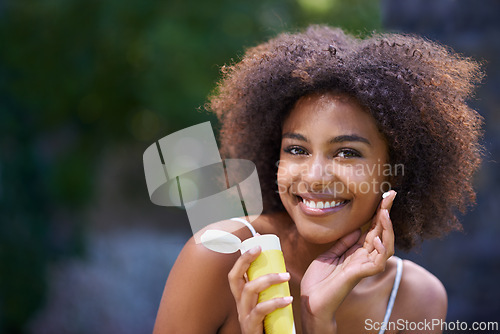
x=288, y=172
x=366, y=179
x=283, y=177
x=289, y=177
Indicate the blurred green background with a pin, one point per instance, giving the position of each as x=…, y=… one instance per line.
x=78, y=77
x=85, y=87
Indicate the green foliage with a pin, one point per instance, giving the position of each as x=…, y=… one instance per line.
x=77, y=75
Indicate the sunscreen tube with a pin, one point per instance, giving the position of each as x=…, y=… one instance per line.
x=270, y=261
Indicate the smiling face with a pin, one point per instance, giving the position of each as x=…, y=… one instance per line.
x=333, y=166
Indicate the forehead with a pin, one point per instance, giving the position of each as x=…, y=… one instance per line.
x=331, y=113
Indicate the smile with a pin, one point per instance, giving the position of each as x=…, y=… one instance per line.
x=319, y=207
x=322, y=204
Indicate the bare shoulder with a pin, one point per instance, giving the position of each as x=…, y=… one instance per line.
x=197, y=285
x=421, y=295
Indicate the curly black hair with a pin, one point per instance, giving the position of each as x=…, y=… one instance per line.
x=415, y=89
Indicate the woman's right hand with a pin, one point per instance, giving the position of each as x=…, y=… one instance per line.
x=251, y=313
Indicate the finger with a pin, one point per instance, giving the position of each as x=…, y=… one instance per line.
x=377, y=228
x=388, y=200
x=379, y=246
x=377, y=258
x=362, y=239
x=264, y=308
x=251, y=290
x=387, y=233
x=383, y=248
x=236, y=276
x=380, y=241
x=375, y=231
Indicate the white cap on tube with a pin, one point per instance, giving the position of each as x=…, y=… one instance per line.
x=265, y=241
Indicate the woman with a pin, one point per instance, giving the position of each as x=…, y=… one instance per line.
x=337, y=128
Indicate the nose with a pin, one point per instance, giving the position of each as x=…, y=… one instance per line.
x=319, y=173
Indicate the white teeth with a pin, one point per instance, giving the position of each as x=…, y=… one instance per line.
x=321, y=205
x=309, y=204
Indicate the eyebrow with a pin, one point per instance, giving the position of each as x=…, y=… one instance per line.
x=337, y=139
x=344, y=138
x=293, y=135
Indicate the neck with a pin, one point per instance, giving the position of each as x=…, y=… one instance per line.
x=308, y=252
x=293, y=243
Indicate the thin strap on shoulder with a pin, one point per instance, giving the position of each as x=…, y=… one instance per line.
x=394, y=292
x=247, y=224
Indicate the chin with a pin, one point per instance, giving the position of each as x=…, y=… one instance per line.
x=319, y=234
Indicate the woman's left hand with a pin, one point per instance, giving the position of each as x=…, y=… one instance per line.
x=332, y=275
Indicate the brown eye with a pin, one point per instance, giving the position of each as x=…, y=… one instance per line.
x=296, y=150
x=348, y=153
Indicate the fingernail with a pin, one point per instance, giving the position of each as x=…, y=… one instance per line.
x=395, y=193
x=384, y=195
x=284, y=275
x=254, y=250
x=377, y=239
x=288, y=299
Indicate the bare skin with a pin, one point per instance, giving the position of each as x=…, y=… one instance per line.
x=197, y=297
x=340, y=277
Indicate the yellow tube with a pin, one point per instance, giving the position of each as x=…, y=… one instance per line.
x=270, y=261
